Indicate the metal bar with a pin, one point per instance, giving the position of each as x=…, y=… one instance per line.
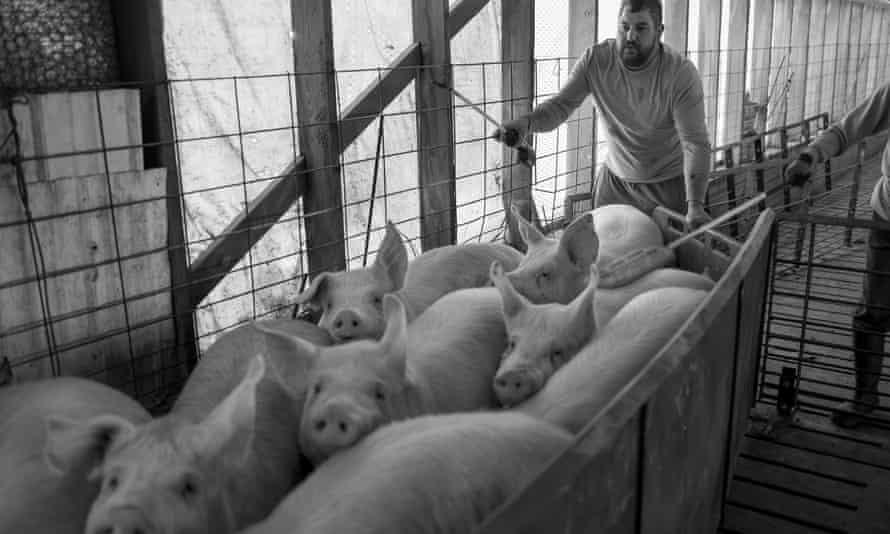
x=854, y=193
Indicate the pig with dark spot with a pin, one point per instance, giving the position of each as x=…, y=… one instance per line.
x=35, y=497
x=350, y=301
x=436, y=474
x=556, y=270
x=608, y=362
x=543, y=337
x=442, y=362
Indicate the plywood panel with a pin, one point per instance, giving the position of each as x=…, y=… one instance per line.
x=81, y=245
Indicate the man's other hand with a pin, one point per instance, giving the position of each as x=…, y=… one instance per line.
x=512, y=133
x=696, y=215
x=798, y=171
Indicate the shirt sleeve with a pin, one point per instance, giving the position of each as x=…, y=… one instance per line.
x=871, y=116
x=556, y=110
x=689, y=118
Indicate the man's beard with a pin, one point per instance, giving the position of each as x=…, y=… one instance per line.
x=637, y=59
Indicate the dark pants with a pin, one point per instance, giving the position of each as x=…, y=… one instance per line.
x=611, y=189
x=873, y=312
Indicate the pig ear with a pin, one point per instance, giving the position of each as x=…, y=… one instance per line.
x=582, y=308
x=394, y=341
x=527, y=230
x=392, y=258
x=511, y=301
x=74, y=444
x=579, y=242
x=294, y=346
x=231, y=424
x=314, y=293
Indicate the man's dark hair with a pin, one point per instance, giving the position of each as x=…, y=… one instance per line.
x=654, y=7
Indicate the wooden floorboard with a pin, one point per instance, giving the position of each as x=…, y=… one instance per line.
x=792, y=507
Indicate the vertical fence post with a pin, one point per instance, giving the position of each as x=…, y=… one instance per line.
x=827, y=164
x=761, y=37
x=581, y=149
x=730, y=190
x=783, y=143
x=319, y=133
x=798, y=61
x=854, y=193
x=759, y=178
x=435, y=128
x=518, y=86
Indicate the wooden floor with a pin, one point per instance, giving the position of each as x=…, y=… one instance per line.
x=807, y=475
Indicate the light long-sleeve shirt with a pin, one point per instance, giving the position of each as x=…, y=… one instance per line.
x=869, y=117
x=654, y=115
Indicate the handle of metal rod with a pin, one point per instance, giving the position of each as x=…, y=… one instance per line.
x=719, y=220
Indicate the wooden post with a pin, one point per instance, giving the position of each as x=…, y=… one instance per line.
x=581, y=149
x=800, y=37
x=829, y=54
x=707, y=57
x=781, y=57
x=676, y=24
x=435, y=129
x=862, y=64
x=842, y=59
x=884, y=46
x=853, y=67
x=878, y=49
x=518, y=86
x=318, y=133
x=854, y=192
x=139, y=29
x=817, y=44
x=759, y=68
x=732, y=72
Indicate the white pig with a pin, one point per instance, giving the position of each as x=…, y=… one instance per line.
x=351, y=301
x=556, y=270
x=437, y=474
x=34, y=497
x=443, y=362
x=543, y=337
x=584, y=385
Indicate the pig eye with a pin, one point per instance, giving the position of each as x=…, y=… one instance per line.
x=379, y=393
x=188, y=489
x=556, y=357
x=112, y=482
x=378, y=300
x=316, y=389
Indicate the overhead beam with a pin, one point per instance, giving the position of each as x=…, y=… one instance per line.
x=318, y=133
x=518, y=87
x=462, y=13
x=435, y=128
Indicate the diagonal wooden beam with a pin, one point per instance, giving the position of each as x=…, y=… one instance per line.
x=244, y=231
x=228, y=249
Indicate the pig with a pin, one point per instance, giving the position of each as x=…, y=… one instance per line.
x=543, y=337
x=596, y=375
x=435, y=474
x=34, y=496
x=442, y=362
x=350, y=301
x=557, y=270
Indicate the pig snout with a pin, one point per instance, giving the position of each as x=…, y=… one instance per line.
x=514, y=386
x=347, y=324
x=338, y=425
x=121, y=521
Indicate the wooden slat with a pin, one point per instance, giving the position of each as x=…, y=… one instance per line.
x=834, y=445
x=581, y=163
x=806, y=511
x=865, y=48
x=818, y=43
x=676, y=24
x=800, y=37
x=518, y=86
x=878, y=49
x=854, y=61
x=746, y=521
x=779, y=62
x=826, y=464
x=139, y=34
x=461, y=13
x=732, y=71
x=319, y=133
x=243, y=232
x=873, y=516
x=842, y=69
x=435, y=129
x=809, y=484
x=760, y=55
x=832, y=47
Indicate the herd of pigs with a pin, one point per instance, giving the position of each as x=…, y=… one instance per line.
x=428, y=392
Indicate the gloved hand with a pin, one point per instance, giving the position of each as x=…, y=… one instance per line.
x=798, y=172
x=513, y=132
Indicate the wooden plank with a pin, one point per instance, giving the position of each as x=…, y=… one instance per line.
x=842, y=70
x=518, y=87
x=873, y=514
x=139, y=34
x=817, y=43
x=435, y=128
x=807, y=483
x=834, y=445
x=263, y=211
x=800, y=37
x=706, y=30
x=53, y=124
x=761, y=54
x=830, y=54
x=319, y=133
x=746, y=521
x=685, y=436
x=581, y=143
x=676, y=24
x=86, y=295
x=732, y=71
x=826, y=464
x=806, y=511
x=461, y=13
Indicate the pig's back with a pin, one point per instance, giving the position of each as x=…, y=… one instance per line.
x=605, y=365
x=454, y=349
x=446, y=269
x=608, y=302
x=622, y=228
x=32, y=498
x=428, y=475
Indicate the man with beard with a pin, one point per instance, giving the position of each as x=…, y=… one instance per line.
x=651, y=100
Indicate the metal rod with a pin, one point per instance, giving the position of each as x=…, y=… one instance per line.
x=723, y=218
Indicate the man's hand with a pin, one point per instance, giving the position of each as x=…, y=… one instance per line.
x=696, y=215
x=512, y=133
x=798, y=171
